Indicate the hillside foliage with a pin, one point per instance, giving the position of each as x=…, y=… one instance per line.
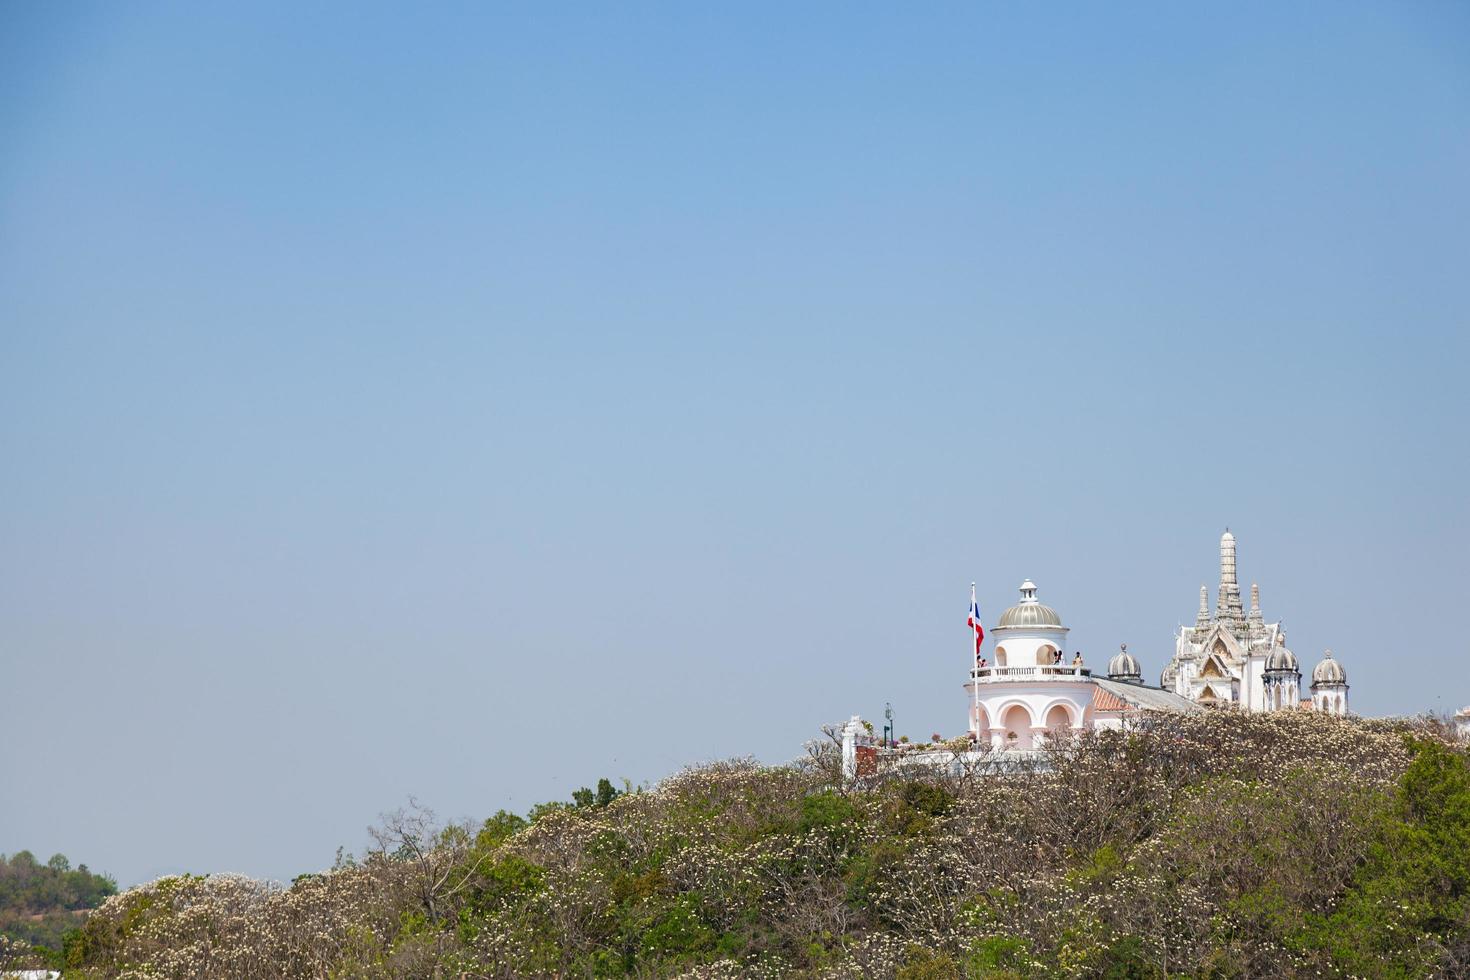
x=1222, y=846
x=40, y=903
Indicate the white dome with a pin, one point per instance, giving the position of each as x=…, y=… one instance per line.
x=1283, y=659
x=1329, y=671
x=1124, y=666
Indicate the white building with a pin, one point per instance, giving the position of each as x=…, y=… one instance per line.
x=1027, y=693
x=1329, y=686
x=1236, y=657
x=1027, y=688
x=1022, y=698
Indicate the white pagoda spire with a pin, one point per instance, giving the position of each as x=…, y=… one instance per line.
x=1227, y=606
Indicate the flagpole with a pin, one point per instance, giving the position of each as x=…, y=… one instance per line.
x=975, y=667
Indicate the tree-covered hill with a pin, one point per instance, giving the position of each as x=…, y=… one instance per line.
x=1222, y=845
x=41, y=902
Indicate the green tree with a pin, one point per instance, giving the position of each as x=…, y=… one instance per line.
x=1409, y=904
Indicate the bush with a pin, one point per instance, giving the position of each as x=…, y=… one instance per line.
x=1220, y=845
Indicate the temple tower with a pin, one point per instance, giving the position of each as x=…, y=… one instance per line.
x=1227, y=606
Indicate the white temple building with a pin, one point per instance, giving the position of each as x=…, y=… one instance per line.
x=1025, y=696
x=1026, y=693
x=1236, y=657
x=1027, y=688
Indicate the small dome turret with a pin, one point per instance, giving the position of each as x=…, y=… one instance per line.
x=1283, y=659
x=1124, y=667
x=1329, y=671
x=1029, y=612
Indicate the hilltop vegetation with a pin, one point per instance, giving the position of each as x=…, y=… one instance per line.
x=1216, y=846
x=39, y=903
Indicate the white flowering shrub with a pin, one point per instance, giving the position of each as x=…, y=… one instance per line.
x=1222, y=845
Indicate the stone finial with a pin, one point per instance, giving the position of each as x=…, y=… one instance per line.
x=1255, y=598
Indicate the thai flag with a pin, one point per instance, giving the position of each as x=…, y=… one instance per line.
x=974, y=622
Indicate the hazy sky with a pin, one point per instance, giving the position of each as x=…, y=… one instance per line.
x=473, y=402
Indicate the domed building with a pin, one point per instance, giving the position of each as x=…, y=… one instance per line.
x=1023, y=688
x=1329, y=686
x=1235, y=657
x=1029, y=634
x=1282, y=679
x=1124, y=667
x=1029, y=688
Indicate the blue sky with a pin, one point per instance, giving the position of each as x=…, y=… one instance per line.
x=475, y=401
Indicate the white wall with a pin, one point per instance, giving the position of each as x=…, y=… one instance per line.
x=1035, y=699
x=1023, y=649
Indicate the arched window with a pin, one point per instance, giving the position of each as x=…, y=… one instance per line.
x=1000, y=656
x=1017, y=724
x=1046, y=655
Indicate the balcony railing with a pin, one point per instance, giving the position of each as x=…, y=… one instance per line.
x=1048, y=672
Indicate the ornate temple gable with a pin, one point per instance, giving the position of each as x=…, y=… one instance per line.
x=1221, y=641
x=1215, y=668
x=1229, y=640
x=1238, y=629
